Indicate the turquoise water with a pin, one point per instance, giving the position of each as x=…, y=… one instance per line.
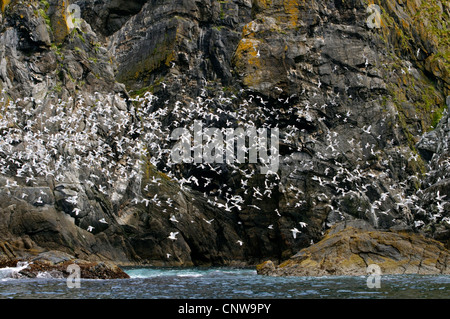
x=225, y=283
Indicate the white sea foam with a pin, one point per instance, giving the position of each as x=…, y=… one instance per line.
x=180, y=273
x=13, y=272
x=146, y=273
x=49, y=275
x=189, y=275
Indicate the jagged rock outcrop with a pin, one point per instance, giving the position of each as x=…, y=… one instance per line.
x=350, y=251
x=88, y=106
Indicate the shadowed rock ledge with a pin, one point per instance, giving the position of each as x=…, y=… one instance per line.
x=350, y=249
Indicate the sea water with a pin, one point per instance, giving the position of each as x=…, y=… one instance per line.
x=222, y=283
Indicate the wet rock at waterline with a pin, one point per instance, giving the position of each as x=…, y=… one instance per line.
x=350, y=250
x=55, y=264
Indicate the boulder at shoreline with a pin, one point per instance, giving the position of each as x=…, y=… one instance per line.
x=55, y=264
x=349, y=251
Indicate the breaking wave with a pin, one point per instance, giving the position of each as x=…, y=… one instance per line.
x=13, y=272
x=183, y=272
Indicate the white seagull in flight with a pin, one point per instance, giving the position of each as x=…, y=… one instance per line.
x=295, y=231
x=173, y=235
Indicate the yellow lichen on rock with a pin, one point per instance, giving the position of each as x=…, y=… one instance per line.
x=59, y=21
x=291, y=8
x=249, y=29
x=247, y=52
x=4, y=3
x=248, y=62
x=261, y=4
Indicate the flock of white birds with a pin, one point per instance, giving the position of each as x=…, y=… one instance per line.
x=103, y=142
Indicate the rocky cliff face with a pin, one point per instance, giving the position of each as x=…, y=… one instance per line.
x=88, y=106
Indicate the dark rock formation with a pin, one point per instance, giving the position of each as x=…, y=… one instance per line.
x=434, y=216
x=88, y=105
